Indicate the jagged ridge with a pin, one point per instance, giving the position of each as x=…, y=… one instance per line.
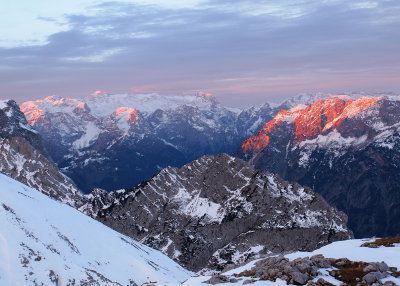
x=217, y=211
x=346, y=150
x=23, y=157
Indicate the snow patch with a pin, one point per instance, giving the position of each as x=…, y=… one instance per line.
x=92, y=132
x=334, y=142
x=3, y=104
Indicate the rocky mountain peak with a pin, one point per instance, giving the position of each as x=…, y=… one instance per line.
x=219, y=210
x=308, y=98
x=24, y=158
x=14, y=123
x=126, y=115
x=309, y=121
x=345, y=149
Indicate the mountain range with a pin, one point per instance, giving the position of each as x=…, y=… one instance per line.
x=342, y=146
x=154, y=168
x=125, y=139
x=345, y=149
x=214, y=212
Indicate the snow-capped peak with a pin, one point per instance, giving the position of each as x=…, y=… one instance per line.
x=308, y=98
x=311, y=120
x=15, y=120
x=146, y=103
x=104, y=104
x=130, y=114
x=4, y=103
x=7, y=105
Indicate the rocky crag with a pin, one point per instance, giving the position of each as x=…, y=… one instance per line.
x=217, y=211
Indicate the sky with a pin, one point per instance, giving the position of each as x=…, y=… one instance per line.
x=243, y=52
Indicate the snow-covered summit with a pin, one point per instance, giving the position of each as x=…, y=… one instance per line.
x=103, y=104
x=148, y=102
x=4, y=103
x=44, y=242
x=319, y=117
x=88, y=115
x=12, y=118
x=308, y=98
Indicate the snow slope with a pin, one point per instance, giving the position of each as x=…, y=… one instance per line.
x=350, y=249
x=353, y=251
x=44, y=242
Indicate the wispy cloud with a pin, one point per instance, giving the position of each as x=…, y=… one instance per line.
x=97, y=57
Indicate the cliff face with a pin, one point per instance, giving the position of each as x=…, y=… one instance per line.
x=346, y=150
x=218, y=210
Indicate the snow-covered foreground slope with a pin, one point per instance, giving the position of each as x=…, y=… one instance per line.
x=350, y=249
x=44, y=242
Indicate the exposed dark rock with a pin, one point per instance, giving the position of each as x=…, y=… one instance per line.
x=384, y=242
x=347, y=151
x=218, y=211
x=305, y=271
x=220, y=279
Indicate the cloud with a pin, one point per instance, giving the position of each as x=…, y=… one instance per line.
x=269, y=48
x=97, y=57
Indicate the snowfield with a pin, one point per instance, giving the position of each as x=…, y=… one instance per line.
x=350, y=249
x=44, y=242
